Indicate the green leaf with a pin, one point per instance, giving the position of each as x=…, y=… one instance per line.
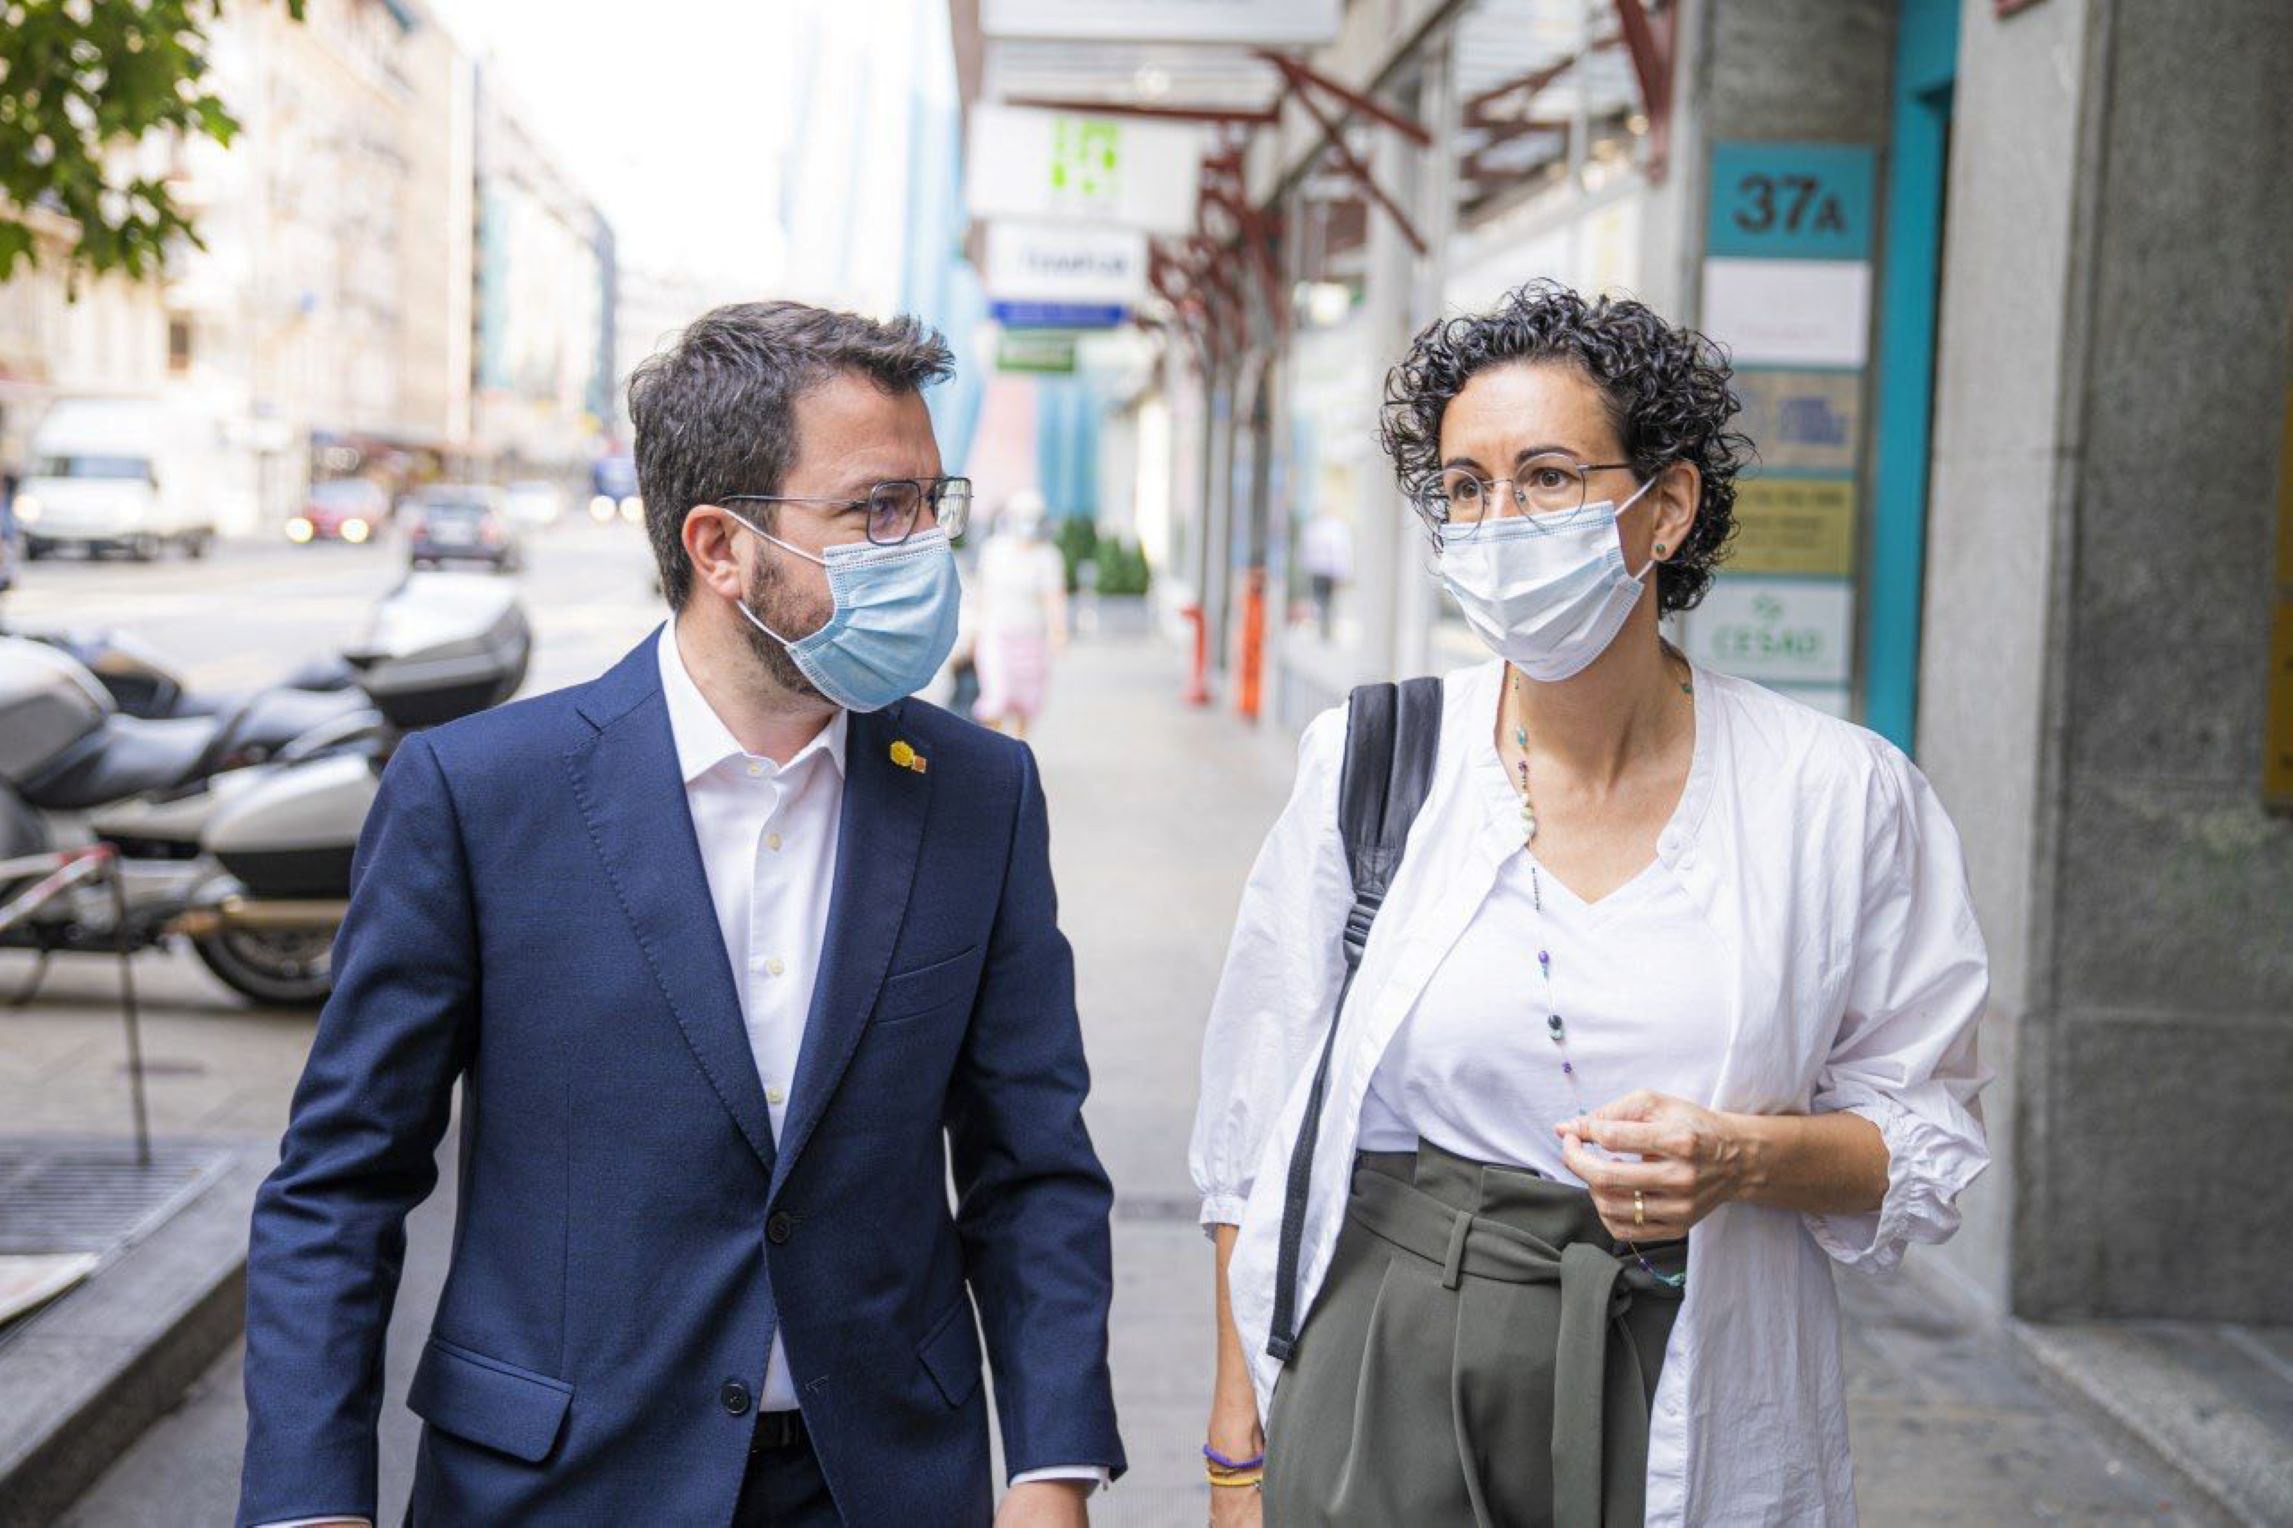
x=80, y=82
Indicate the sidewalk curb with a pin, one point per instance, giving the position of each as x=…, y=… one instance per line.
x=2158, y=1417
x=83, y=1378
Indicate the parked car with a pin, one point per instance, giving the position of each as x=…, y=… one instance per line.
x=347, y=509
x=536, y=502
x=613, y=490
x=134, y=475
x=462, y=522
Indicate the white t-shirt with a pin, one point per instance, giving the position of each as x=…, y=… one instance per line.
x=1634, y=977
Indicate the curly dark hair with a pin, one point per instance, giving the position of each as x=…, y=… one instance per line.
x=1666, y=387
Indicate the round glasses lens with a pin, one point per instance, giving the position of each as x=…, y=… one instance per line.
x=1463, y=502
x=1550, y=486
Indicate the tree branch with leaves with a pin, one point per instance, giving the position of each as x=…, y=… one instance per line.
x=82, y=83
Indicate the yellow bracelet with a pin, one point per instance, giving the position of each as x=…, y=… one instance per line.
x=1220, y=1477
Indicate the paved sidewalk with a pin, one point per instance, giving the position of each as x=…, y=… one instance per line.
x=1157, y=811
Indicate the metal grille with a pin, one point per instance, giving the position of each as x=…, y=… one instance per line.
x=91, y=1196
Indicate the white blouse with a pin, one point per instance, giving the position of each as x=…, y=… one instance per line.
x=1475, y=1070
x=1843, y=964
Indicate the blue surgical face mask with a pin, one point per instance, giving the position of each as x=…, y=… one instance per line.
x=893, y=621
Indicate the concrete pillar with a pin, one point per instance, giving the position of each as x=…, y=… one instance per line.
x=2110, y=407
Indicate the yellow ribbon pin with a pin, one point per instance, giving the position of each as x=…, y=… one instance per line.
x=907, y=758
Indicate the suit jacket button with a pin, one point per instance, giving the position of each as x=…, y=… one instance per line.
x=777, y=1229
x=735, y=1396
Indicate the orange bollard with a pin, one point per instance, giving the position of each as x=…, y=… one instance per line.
x=1253, y=643
x=1198, y=683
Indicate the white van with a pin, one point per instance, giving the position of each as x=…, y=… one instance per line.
x=135, y=475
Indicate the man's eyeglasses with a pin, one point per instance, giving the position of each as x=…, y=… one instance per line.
x=1549, y=490
x=894, y=508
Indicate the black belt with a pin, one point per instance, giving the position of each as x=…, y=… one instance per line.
x=776, y=1429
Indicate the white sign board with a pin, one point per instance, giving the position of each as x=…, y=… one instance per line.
x=1050, y=166
x=1278, y=22
x=1066, y=263
x=1776, y=630
x=1789, y=312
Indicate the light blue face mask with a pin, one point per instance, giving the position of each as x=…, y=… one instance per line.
x=893, y=621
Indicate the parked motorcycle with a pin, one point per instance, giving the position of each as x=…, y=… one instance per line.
x=144, y=686
x=448, y=645
x=251, y=863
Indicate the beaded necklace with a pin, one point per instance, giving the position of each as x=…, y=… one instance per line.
x=1556, y=1028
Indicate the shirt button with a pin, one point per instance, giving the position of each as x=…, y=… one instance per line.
x=772, y=842
x=775, y=1096
x=775, y=966
x=755, y=771
x=734, y=1396
x=778, y=1228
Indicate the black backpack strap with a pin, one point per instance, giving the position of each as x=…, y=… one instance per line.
x=1392, y=733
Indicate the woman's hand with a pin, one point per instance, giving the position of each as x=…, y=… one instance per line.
x=1692, y=1161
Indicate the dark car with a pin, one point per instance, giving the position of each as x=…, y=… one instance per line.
x=461, y=523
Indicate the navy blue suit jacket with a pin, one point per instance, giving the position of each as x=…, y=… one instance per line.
x=529, y=915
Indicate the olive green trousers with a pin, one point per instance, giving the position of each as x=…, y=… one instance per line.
x=1482, y=1352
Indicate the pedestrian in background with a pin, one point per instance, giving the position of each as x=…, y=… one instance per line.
x=1021, y=604
x=1672, y=998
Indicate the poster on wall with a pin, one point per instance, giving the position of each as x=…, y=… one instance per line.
x=1795, y=631
x=1802, y=421
x=1794, y=526
x=1787, y=288
x=1790, y=312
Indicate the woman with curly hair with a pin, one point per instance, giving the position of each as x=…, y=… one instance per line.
x=1524, y=1205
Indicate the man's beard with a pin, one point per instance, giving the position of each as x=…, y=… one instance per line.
x=764, y=599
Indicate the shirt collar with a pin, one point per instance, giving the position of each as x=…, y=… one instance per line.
x=702, y=739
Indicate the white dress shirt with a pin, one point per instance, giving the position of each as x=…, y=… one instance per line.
x=1841, y=960
x=768, y=835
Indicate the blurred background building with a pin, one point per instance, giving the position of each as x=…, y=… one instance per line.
x=397, y=279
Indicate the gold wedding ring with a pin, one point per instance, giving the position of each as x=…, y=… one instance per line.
x=1639, y=1209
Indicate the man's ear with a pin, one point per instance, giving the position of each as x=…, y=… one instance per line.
x=709, y=545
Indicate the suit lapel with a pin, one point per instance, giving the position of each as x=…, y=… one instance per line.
x=880, y=832
x=632, y=797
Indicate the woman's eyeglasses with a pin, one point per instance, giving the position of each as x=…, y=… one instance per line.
x=1549, y=490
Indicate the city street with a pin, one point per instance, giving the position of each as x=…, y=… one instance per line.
x=1157, y=810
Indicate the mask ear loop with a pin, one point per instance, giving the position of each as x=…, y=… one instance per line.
x=741, y=605
x=1650, y=565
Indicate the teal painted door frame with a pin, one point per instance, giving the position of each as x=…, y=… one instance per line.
x=1926, y=65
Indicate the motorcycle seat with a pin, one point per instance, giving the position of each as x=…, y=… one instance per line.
x=126, y=756
x=266, y=722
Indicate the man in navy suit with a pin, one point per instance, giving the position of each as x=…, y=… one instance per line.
x=735, y=951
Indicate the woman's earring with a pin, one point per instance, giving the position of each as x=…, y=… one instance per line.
x=1659, y=548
